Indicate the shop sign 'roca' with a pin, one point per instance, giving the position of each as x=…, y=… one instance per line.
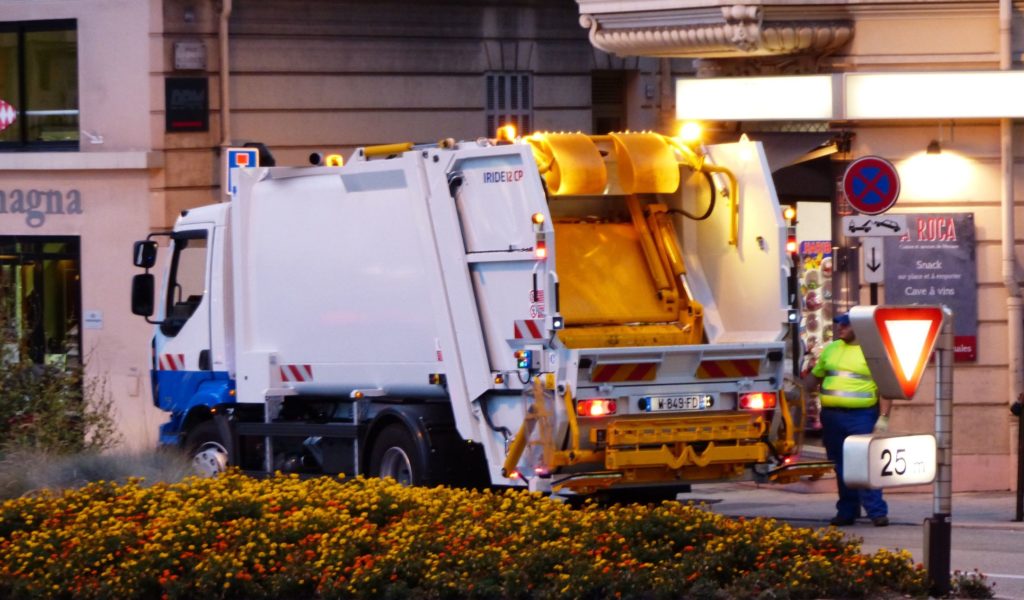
x=36, y=205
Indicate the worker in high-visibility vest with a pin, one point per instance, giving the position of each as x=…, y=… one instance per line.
x=850, y=405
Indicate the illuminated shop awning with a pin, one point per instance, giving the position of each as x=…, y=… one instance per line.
x=853, y=96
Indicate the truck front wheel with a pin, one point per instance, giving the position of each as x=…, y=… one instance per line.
x=396, y=455
x=207, y=451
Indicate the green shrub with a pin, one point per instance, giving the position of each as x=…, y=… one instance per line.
x=50, y=408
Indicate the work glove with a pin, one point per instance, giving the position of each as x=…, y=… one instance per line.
x=882, y=424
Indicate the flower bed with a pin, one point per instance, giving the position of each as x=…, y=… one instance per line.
x=283, y=537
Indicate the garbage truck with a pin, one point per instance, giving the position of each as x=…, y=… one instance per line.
x=564, y=312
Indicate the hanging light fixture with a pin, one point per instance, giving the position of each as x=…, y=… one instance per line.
x=934, y=147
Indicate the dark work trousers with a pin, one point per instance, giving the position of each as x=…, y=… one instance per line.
x=836, y=424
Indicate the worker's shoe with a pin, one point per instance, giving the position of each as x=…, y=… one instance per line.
x=880, y=521
x=842, y=521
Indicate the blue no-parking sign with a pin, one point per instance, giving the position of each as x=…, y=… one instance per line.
x=872, y=185
x=235, y=158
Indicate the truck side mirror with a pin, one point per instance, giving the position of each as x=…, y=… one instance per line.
x=144, y=254
x=143, y=287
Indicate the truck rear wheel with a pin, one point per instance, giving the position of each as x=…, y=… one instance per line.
x=209, y=454
x=395, y=454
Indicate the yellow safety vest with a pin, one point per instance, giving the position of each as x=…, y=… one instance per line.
x=846, y=380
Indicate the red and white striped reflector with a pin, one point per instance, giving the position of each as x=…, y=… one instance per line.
x=172, y=362
x=720, y=369
x=529, y=329
x=296, y=373
x=7, y=115
x=624, y=372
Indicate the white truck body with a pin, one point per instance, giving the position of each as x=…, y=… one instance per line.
x=415, y=278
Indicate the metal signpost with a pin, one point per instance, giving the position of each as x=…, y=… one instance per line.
x=938, y=529
x=872, y=186
x=897, y=342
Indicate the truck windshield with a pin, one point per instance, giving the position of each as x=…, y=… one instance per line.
x=186, y=283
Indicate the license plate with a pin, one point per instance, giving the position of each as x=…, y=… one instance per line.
x=679, y=403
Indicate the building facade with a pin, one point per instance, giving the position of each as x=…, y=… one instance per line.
x=79, y=163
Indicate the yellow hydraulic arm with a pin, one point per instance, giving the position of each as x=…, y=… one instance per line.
x=570, y=166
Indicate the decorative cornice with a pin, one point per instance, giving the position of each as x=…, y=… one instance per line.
x=733, y=31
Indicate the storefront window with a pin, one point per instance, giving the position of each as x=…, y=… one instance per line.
x=39, y=85
x=41, y=296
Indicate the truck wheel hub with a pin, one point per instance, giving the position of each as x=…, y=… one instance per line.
x=395, y=464
x=210, y=459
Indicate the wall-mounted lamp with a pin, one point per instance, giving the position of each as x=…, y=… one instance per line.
x=938, y=172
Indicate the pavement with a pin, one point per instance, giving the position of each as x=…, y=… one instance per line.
x=812, y=503
x=985, y=536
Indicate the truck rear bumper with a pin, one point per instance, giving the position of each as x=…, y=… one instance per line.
x=675, y=443
x=681, y=449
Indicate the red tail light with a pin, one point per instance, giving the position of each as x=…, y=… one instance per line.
x=758, y=400
x=596, y=407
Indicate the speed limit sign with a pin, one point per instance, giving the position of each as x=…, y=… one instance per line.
x=893, y=460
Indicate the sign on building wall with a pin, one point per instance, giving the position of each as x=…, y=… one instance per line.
x=934, y=263
x=33, y=206
x=189, y=55
x=187, y=101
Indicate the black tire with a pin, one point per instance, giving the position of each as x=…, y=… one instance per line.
x=206, y=450
x=395, y=454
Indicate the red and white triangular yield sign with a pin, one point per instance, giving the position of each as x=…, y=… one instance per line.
x=7, y=115
x=897, y=342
